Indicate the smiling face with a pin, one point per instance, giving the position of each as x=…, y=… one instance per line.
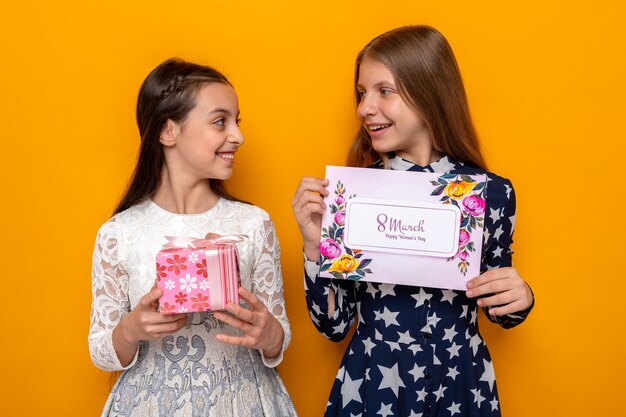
x=393, y=125
x=203, y=146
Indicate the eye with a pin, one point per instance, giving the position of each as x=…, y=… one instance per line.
x=385, y=91
x=238, y=121
x=219, y=122
x=361, y=93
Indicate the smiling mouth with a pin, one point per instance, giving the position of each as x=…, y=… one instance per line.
x=376, y=128
x=229, y=156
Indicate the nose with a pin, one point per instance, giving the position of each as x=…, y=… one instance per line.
x=236, y=136
x=367, y=106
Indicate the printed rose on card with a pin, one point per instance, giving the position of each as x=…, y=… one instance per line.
x=401, y=227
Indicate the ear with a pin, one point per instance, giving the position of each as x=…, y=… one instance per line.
x=169, y=133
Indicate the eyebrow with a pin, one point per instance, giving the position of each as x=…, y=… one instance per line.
x=221, y=110
x=381, y=84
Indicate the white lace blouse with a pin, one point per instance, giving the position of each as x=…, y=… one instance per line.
x=190, y=372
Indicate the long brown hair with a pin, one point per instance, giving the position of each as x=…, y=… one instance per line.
x=428, y=78
x=168, y=92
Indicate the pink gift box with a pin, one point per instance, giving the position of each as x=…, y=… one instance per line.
x=198, y=274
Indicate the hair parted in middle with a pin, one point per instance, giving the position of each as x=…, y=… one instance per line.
x=428, y=79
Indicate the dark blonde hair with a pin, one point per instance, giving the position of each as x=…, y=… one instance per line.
x=428, y=78
x=168, y=93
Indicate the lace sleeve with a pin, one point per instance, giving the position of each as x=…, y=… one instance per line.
x=110, y=302
x=268, y=282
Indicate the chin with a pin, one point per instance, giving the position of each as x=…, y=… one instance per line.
x=383, y=149
x=220, y=176
x=227, y=176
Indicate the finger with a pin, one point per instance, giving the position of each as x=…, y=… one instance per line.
x=253, y=301
x=153, y=318
x=167, y=332
x=241, y=313
x=309, y=216
x=310, y=185
x=235, y=340
x=492, y=274
x=232, y=321
x=510, y=308
x=313, y=183
x=490, y=286
x=171, y=327
x=147, y=302
x=502, y=298
x=182, y=321
x=309, y=201
x=166, y=318
x=313, y=212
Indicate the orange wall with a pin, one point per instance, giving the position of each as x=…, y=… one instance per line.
x=546, y=87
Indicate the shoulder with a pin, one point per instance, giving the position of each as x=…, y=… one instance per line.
x=499, y=189
x=116, y=226
x=500, y=192
x=131, y=215
x=247, y=213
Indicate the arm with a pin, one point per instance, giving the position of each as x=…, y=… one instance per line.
x=506, y=298
x=264, y=325
x=110, y=301
x=330, y=302
x=115, y=331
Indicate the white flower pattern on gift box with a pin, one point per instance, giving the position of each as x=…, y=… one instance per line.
x=182, y=310
x=193, y=257
x=188, y=283
x=169, y=284
x=204, y=285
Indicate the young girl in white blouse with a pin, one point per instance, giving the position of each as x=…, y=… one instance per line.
x=200, y=364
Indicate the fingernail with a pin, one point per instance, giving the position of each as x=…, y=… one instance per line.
x=469, y=293
x=479, y=302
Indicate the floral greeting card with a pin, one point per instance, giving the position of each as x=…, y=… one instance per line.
x=402, y=227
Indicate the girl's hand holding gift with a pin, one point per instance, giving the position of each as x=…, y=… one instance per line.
x=260, y=328
x=509, y=292
x=144, y=322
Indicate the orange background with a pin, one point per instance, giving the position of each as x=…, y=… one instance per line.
x=546, y=86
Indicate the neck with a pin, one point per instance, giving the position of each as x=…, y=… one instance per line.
x=422, y=157
x=184, y=195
